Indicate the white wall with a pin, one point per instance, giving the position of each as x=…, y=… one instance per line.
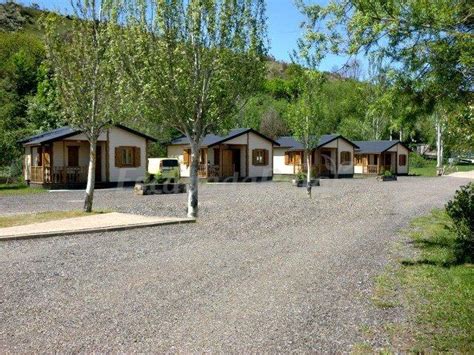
x=279, y=166
x=238, y=140
x=27, y=164
x=120, y=137
x=257, y=142
x=345, y=147
x=402, y=150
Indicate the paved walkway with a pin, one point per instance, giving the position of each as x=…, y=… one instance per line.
x=464, y=174
x=94, y=223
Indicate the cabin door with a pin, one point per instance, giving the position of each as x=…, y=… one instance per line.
x=98, y=163
x=325, y=162
x=227, y=163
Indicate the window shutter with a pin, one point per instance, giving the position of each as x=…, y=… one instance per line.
x=118, y=157
x=265, y=157
x=287, y=158
x=186, y=157
x=137, y=157
x=254, y=157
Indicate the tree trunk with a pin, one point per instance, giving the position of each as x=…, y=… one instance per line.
x=308, y=175
x=439, y=145
x=90, y=177
x=194, y=181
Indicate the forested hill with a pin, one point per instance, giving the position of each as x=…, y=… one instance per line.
x=28, y=105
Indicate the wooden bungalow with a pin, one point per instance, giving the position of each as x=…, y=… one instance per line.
x=333, y=157
x=242, y=153
x=60, y=158
x=376, y=157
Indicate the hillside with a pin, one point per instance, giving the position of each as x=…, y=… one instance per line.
x=27, y=93
x=15, y=17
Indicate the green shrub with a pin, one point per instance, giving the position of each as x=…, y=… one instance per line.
x=388, y=173
x=461, y=211
x=417, y=161
x=300, y=176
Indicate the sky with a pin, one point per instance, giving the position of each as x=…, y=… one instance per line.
x=283, y=28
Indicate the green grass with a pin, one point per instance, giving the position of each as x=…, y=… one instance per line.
x=429, y=168
x=438, y=292
x=19, y=189
x=29, y=218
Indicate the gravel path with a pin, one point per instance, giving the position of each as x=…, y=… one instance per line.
x=264, y=268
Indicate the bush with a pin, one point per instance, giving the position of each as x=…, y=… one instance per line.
x=461, y=211
x=300, y=176
x=417, y=161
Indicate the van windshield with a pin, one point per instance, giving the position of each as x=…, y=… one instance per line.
x=170, y=163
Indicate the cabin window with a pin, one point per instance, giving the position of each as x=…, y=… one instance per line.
x=73, y=156
x=346, y=158
x=402, y=160
x=259, y=157
x=127, y=157
x=293, y=158
x=357, y=159
x=187, y=157
x=39, y=156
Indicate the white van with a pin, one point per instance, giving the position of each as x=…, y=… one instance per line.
x=164, y=168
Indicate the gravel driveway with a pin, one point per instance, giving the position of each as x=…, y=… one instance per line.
x=264, y=268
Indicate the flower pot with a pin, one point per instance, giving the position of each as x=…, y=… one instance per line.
x=389, y=178
x=315, y=182
x=297, y=183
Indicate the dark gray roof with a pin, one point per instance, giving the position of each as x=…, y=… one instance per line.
x=64, y=132
x=50, y=136
x=292, y=144
x=374, y=147
x=212, y=139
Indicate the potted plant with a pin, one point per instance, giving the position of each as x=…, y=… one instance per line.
x=299, y=179
x=388, y=176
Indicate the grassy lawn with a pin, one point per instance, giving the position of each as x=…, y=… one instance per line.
x=437, y=292
x=29, y=218
x=19, y=189
x=429, y=168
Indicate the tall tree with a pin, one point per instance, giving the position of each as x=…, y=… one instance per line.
x=85, y=72
x=192, y=64
x=305, y=119
x=430, y=44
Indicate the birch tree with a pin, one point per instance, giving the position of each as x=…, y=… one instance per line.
x=305, y=119
x=79, y=53
x=191, y=65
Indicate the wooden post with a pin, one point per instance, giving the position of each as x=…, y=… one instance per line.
x=107, y=155
x=247, y=156
x=221, y=152
x=378, y=163
x=43, y=161
x=64, y=162
x=205, y=161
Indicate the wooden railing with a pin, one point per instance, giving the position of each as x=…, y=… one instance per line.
x=36, y=174
x=315, y=169
x=69, y=174
x=375, y=169
x=208, y=171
